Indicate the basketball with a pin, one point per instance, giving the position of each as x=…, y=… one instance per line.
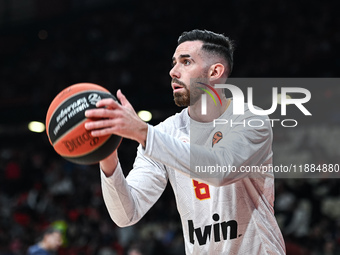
x=65, y=125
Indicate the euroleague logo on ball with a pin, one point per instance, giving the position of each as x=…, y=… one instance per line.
x=94, y=98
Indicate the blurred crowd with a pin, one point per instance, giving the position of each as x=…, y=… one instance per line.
x=129, y=45
x=308, y=209
x=39, y=189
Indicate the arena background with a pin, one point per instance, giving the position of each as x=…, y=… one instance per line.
x=46, y=46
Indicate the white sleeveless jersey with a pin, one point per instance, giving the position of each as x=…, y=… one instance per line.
x=223, y=208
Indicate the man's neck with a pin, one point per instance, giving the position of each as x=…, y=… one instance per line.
x=213, y=112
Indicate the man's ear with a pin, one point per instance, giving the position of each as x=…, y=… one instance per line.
x=216, y=71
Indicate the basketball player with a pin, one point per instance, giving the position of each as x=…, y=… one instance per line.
x=224, y=213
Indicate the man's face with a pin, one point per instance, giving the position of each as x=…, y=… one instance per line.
x=53, y=241
x=188, y=64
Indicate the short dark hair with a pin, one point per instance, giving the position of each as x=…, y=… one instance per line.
x=213, y=43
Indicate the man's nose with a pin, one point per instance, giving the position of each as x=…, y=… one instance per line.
x=174, y=73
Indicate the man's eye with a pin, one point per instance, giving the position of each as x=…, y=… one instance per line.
x=186, y=62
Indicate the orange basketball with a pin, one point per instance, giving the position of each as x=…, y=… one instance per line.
x=65, y=125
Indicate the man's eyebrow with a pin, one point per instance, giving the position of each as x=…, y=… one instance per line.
x=181, y=56
x=184, y=56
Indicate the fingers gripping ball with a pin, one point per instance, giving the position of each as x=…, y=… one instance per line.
x=65, y=125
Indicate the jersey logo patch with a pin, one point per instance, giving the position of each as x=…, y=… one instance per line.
x=217, y=137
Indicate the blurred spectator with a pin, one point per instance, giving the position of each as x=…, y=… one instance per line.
x=135, y=250
x=50, y=242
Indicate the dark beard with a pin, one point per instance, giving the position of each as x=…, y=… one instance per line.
x=182, y=99
x=185, y=99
